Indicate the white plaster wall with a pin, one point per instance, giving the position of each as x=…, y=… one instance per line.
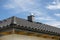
x=21, y=37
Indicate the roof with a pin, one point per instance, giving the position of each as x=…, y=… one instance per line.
x=30, y=26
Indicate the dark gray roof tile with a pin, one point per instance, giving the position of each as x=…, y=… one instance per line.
x=25, y=23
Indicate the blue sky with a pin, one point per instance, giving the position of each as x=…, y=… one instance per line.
x=45, y=11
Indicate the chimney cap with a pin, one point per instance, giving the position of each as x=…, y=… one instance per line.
x=32, y=14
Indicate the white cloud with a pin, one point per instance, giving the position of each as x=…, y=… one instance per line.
x=53, y=6
x=57, y=14
x=46, y=18
x=21, y=5
x=54, y=23
x=8, y=6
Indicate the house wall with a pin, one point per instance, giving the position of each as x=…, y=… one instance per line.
x=22, y=37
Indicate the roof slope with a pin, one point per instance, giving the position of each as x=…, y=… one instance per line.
x=33, y=25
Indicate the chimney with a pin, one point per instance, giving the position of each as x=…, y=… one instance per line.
x=31, y=18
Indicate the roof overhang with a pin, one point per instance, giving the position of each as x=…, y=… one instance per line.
x=16, y=29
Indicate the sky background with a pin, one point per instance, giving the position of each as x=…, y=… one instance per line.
x=45, y=11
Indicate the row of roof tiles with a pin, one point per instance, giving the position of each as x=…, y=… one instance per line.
x=35, y=25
